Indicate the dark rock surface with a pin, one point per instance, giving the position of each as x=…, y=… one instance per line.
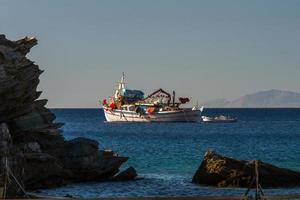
x=217, y=170
x=12, y=155
x=38, y=154
x=126, y=175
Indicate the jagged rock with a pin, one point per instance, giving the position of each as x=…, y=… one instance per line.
x=81, y=147
x=126, y=175
x=32, y=147
x=37, y=153
x=43, y=171
x=12, y=157
x=217, y=170
x=82, y=156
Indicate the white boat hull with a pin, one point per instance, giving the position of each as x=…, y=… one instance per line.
x=185, y=115
x=212, y=120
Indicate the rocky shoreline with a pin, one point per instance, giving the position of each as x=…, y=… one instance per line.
x=30, y=139
x=222, y=171
x=38, y=155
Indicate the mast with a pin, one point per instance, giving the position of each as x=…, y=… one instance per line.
x=173, y=98
x=121, y=86
x=122, y=82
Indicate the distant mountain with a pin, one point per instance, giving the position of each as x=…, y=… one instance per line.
x=263, y=99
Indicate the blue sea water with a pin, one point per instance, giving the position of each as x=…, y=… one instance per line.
x=167, y=155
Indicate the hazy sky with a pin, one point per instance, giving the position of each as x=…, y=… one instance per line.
x=203, y=49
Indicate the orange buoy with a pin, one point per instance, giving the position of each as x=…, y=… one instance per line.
x=150, y=110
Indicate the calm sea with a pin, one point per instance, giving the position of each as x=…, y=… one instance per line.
x=166, y=155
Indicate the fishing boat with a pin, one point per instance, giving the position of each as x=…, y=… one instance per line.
x=131, y=106
x=218, y=119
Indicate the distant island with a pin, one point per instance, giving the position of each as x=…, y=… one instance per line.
x=263, y=99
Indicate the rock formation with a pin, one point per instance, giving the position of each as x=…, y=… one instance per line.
x=126, y=175
x=31, y=141
x=217, y=170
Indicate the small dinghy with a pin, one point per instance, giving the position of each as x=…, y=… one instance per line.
x=218, y=119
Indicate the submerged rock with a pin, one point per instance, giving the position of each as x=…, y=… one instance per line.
x=217, y=170
x=37, y=153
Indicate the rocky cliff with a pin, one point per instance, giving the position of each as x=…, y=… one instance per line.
x=217, y=170
x=31, y=141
